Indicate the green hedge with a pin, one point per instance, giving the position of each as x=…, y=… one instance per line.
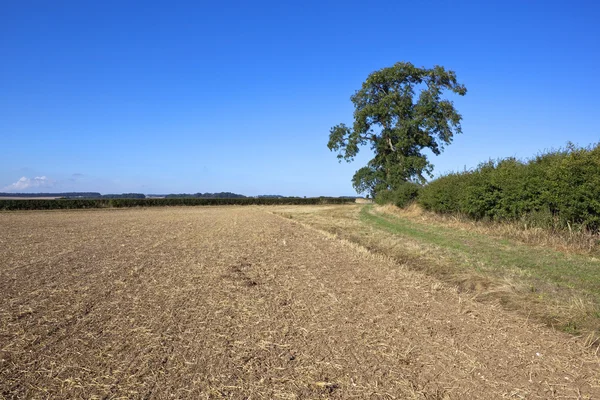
x=108, y=203
x=401, y=197
x=558, y=189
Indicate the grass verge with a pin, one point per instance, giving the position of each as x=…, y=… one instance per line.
x=558, y=288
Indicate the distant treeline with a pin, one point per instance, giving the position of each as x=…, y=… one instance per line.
x=41, y=204
x=77, y=195
x=557, y=189
x=96, y=195
x=123, y=196
x=221, y=195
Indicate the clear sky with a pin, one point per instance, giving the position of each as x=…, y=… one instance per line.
x=198, y=96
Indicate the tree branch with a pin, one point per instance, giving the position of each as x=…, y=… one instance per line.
x=391, y=145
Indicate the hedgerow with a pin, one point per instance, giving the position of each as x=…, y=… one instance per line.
x=402, y=196
x=40, y=204
x=558, y=189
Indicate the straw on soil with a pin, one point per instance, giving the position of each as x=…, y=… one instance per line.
x=239, y=303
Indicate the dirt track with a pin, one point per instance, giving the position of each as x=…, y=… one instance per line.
x=239, y=303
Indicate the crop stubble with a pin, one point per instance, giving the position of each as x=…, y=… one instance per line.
x=239, y=303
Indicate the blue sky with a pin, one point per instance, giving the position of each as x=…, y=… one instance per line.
x=193, y=96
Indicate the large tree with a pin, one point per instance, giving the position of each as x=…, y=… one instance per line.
x=399, y=112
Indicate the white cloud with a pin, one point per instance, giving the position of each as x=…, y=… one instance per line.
x=29, y=183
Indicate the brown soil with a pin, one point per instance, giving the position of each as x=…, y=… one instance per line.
x=239, y=303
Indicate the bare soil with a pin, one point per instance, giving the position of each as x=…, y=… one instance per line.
x=240, y=303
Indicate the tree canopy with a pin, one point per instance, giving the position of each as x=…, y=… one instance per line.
x=399, y=111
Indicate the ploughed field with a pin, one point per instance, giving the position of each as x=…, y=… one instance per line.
x=235, y=302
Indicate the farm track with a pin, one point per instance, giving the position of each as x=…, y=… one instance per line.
x=235, y=302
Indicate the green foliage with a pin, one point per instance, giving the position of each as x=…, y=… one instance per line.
x=399, y=112
x=559, y=189
x=106, y=203
x=402, y=196
x=385, y=197
x=369, y=180
x=446, y=194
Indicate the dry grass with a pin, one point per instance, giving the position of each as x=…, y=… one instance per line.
x=236, y=303
x=364, y=201
x=578, y=241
